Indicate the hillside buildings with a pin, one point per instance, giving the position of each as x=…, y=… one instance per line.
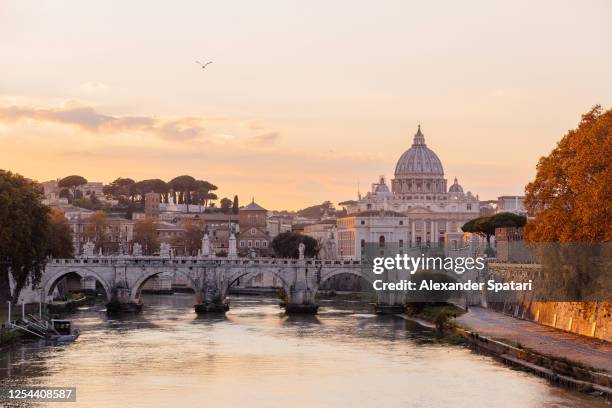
x=254, y=238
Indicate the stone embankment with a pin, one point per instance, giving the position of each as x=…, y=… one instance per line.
x=574, y=361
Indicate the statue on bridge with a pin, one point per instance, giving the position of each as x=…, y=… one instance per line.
x=88, y=249
x=205, y=250
x=136, y=249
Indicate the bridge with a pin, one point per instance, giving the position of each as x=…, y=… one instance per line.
x=123, y=276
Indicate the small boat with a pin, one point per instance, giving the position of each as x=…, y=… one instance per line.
x=62, y=331
x=54, y=330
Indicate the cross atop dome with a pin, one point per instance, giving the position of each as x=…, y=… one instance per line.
x=419, y=138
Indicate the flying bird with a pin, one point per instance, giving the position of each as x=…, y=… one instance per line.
x=203, y=65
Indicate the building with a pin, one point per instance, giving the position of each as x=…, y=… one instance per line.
x=277, y=225
x=325, y=233
x=51, y=192
x=513, y=204
x=118, y=232
x=356, y=230
x=419, y=197
x=254, y=237
x=152, y=201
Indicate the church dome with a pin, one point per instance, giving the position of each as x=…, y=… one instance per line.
x=455, y=188
x=419, y=159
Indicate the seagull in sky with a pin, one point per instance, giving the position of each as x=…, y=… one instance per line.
x=203, y=65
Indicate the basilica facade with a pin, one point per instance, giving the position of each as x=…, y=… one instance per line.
x=419, y=208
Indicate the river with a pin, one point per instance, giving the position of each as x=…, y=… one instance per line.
x=256, y=356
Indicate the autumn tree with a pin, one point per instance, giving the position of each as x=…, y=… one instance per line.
x=24, y=234
x=96, y=230
x=145, y=233
x=571, y=196
x=60, y=236
x=191, y=240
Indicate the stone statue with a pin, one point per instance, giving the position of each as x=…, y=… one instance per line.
x=88, y=248
x=232, y=250
x=137, y=249
x=301, y=249
x=205, y=250
x=164, y=250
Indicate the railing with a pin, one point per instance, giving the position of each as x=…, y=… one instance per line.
x=191, y=260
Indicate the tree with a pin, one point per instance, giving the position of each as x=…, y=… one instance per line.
x=226, y=205
x=235, y=206
x=285, y=245
x=72, y=183
x=96, y=230
x=571, y=196
x=202, y=192
x=191, y=240
x=119, y=189
x=183, y=185
x=145, y=233
x=24, y=234
x=318, y=211
x=60, y=236
x=485, y=226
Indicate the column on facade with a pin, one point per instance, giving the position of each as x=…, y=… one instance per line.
x=412, y=233
x=434, y=231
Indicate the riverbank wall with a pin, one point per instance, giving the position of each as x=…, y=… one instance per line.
x=592, y=319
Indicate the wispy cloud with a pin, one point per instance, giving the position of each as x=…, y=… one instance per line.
x=93, y=86
x=266, y=138
x=88, y=119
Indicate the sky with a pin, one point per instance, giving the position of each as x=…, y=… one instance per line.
x=304, y=101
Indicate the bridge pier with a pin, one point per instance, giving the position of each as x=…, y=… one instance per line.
x=122, y=302
x=301, y=301
x=212, y=298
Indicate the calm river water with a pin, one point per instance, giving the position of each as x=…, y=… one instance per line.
x=256, y=356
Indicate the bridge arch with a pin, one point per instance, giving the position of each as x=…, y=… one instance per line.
x=136, y=287
x=330, y=273
x=249, y=272
x=50, y=280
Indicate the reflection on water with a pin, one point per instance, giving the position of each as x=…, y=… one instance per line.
x=255, y=356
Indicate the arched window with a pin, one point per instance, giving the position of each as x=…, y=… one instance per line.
x=381, y=241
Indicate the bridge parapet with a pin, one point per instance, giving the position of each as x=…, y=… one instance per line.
x=165, y=261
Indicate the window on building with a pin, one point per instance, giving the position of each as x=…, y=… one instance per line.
x=264, y=244
x=401, y=243
x=469, y=207
x=362, y=222
x=401, y=222
x=250, y=243
x=242, y=244
x=363, y=243
x=252, y=231
x=256, y=244
x=381, y=241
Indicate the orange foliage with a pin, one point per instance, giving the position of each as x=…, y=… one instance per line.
x=571, y=196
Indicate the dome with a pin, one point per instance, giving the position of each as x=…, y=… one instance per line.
x=380, y=187
x=455, y=188
x=419, y=159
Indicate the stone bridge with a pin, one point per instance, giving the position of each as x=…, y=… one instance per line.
x=123, y=277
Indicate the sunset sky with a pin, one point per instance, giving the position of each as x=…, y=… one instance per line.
x=305, y=99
